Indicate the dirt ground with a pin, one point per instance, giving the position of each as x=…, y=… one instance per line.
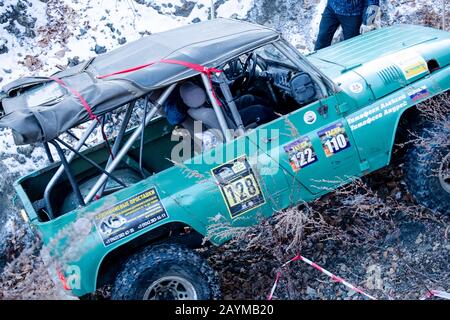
x=400, y=256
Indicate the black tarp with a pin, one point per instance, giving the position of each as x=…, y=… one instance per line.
x=38, y=109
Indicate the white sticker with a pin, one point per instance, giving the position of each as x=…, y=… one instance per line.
x=411, y=63
x=310, y=117
x=356, y=87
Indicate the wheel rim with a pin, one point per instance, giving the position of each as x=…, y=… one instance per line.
x=171, y=288
x=444, y=173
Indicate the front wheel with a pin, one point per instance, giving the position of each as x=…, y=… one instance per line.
x=166, y=272
x=427, y=168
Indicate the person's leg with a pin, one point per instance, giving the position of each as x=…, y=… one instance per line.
x=350, y=25
x=327, y=29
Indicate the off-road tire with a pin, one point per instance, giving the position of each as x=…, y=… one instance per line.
x=422, y=166
x=142, y=269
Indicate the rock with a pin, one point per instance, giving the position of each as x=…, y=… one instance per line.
x=18, y=14
x=33, y=63
x=111, y=27
x=25, y=150
x=196, y=20
x=311, y=292
x=392, y=237
x=410, y=231
x=71, y=62
x=185, y=10
x=351, y=293
x=3, y=46
x=8, y=71
x=1, y=79
x=60, y=54
x=21, y=159
x=122, y=40
x=419, y=239
x=99, y=49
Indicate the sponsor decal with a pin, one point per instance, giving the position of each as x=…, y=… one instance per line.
x=310, y=117
x=301, y=153
x=385, y=108
x=239, y=186
x=418, y=93
x=410, y=63
x=356, y=87
x=130, y=216
x=334, y=139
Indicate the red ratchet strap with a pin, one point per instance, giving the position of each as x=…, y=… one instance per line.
x=92, y=115
x=197, y=67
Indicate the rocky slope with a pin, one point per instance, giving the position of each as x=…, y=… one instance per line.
x=40, y=36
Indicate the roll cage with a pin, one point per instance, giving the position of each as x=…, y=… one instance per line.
x=152, y=109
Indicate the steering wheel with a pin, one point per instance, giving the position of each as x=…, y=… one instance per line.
x=249, y=70
x=243, y=76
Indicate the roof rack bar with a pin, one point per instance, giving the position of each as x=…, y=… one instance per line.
x=141, y=147
x=68, y=170
x=231, y=104
x=48, y=153
x=70, y=133
x=119, y=138
x=136, y=134
x=217, y=109
x=51, y=184
x=90, y=161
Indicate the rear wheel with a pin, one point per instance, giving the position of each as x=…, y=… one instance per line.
x=166, y=272
x=427, y=168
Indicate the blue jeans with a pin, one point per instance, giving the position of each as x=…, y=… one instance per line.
x=330, y=23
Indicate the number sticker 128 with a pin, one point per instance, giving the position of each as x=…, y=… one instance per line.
x=239, y=187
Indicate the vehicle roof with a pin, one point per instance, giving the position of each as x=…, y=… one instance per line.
x=209, y=43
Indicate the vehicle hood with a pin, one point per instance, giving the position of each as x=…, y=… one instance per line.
x=377, y=63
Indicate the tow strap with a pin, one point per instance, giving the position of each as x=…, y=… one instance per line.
x=92, y=115
x=193, y=66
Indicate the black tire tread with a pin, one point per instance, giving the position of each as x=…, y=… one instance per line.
x=150, y=257
x=425, y=188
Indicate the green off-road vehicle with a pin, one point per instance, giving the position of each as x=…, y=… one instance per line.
x=143, y=171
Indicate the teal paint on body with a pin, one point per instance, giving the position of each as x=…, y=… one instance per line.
x=374, y=94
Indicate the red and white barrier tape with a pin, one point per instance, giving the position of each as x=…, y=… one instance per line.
x=193, y=66
x=432, y=293
x=437, y=293
x=316, y=266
